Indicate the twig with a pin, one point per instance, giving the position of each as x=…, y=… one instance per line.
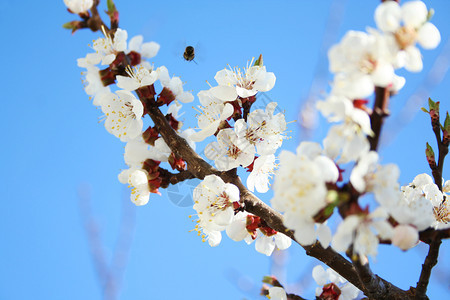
x=433, y=78
x=379, y=112
x=443, y=151
x=429, y=235
x=200, y=168
x=427, y=266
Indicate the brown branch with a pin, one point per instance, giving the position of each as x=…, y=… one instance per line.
x=294, y=297
x=379, y=112
x=427, y=266
x=443, y=151
x=377, y=287
x=429, y=235
x=199, y=168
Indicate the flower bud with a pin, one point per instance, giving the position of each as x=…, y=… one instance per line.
x=405, y=237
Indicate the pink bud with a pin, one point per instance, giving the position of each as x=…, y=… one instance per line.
x=405, y=237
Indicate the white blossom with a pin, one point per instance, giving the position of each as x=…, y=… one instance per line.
x=138, y=179
x=300, y=188
x=247, y=82
x=340, y=108
x=123, y=114
x=368, y=176
x=418, y=204
x=346, y=142
x=137, y=151
x=213, y=112
x=229, y=152
x=213, y=201
x=263, y=168
x=174, y=84
x=361, y=231
x=405, y=237
x=79, y=6
x=108, y=47
x=265, y=243
x=139, y=76
x=263, y=129
x=147, y=50
x=364, y=62
x=322, y=277
x=93, y=85
x=408, y=24
x=277, y=293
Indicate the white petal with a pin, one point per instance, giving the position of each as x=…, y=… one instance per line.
x=413, y=59
x=135, y=43
x=185, y=97
x=227, y=112
x=205, y=132
x=150, y=49
x=330, y=172
x=265, y=245
x=277, y=293
x=225, y=77
x=306, y=233
x=224, y=93
x=309, y=149
x=237, y=230
x=429, y=36
x=324, y=235
x=127, y=83
x=283, y=242
x=383, y=75
x=405, y=237
x=214, y=238
x=343, y=237
x=398, y=83
x=319, y=275
x=414, y=13
x=388, y=16
x=224, y=217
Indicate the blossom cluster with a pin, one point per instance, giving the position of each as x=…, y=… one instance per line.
x=244, y=138
x=218, y=209
x=125, y=63
x=309, y=184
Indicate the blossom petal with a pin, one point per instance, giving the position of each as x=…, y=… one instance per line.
x=388, y=15
x=429, y=36
x=224, y=93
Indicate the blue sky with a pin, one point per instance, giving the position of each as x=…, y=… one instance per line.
x=53, y=147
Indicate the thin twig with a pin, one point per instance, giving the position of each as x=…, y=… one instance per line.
x=379, y=113
x=200, y=168
x=430, y=262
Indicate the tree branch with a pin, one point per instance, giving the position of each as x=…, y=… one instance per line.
x=427, y=266
x=379, y=112
x=200, y=168
x=377, y=287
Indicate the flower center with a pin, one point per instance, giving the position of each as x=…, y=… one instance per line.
x=233, y=151
x=442, y=213
x=405, y=37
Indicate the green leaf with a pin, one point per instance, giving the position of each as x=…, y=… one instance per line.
x=111, y=6
x=259, y=61
x=429, y=151
x=433, y=105
x=447, y=123
x=68, y=25
x=425, y=110
x=430, y=14
x=268, y=280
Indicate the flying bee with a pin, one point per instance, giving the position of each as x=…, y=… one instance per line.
x=189, y=54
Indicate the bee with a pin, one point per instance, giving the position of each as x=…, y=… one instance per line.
x=189, y=54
